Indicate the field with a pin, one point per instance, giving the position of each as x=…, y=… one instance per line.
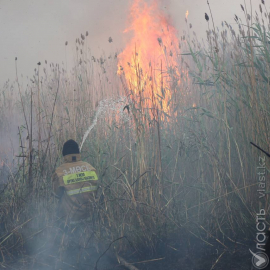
x=171, y=145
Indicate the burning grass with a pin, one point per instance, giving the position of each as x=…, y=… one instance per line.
x=187, y=170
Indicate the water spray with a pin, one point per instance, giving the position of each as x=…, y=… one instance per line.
x=115, y=105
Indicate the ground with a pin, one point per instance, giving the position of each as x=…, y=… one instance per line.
x=185, y=253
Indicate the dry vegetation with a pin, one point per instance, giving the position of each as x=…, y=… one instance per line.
x=187, y=171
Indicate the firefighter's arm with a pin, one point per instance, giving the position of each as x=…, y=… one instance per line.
x=58, y=190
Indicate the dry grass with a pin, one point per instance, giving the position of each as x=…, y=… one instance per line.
x=190, y=169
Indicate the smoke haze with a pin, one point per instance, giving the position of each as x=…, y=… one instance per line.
x=37, y=31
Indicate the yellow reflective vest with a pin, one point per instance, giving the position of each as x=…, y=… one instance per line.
x=75, y=182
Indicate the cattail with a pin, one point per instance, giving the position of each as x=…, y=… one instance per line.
x=15, y=58
x=82, y=36
x=66, y=43
x=263, y=2
x=242, y=7
x=236, y=18
x=206, y=17
x=45, y=61
x=260, y=8
x=248, y=16
x=39, y=63
x=110, y=39
x=86, y=34
x=190, y=25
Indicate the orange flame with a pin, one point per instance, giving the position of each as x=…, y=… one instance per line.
x=149, y=59
x=187, y=13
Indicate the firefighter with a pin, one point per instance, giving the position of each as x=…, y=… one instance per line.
x=74, y=184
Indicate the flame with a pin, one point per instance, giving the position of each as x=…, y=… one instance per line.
x=149, y=59
x=187, y=13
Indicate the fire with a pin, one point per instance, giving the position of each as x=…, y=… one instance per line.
x=149, y=60
x=187, y=13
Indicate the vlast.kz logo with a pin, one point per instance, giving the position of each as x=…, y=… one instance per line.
x=259, y=260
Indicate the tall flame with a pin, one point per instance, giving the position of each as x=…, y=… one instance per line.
x=150, y=56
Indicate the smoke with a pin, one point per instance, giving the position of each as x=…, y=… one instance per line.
x=22, y=37
x=48, y=242
x=11, y=128
x=21, y=24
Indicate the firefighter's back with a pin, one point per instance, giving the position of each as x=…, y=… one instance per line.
x=77, y=181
